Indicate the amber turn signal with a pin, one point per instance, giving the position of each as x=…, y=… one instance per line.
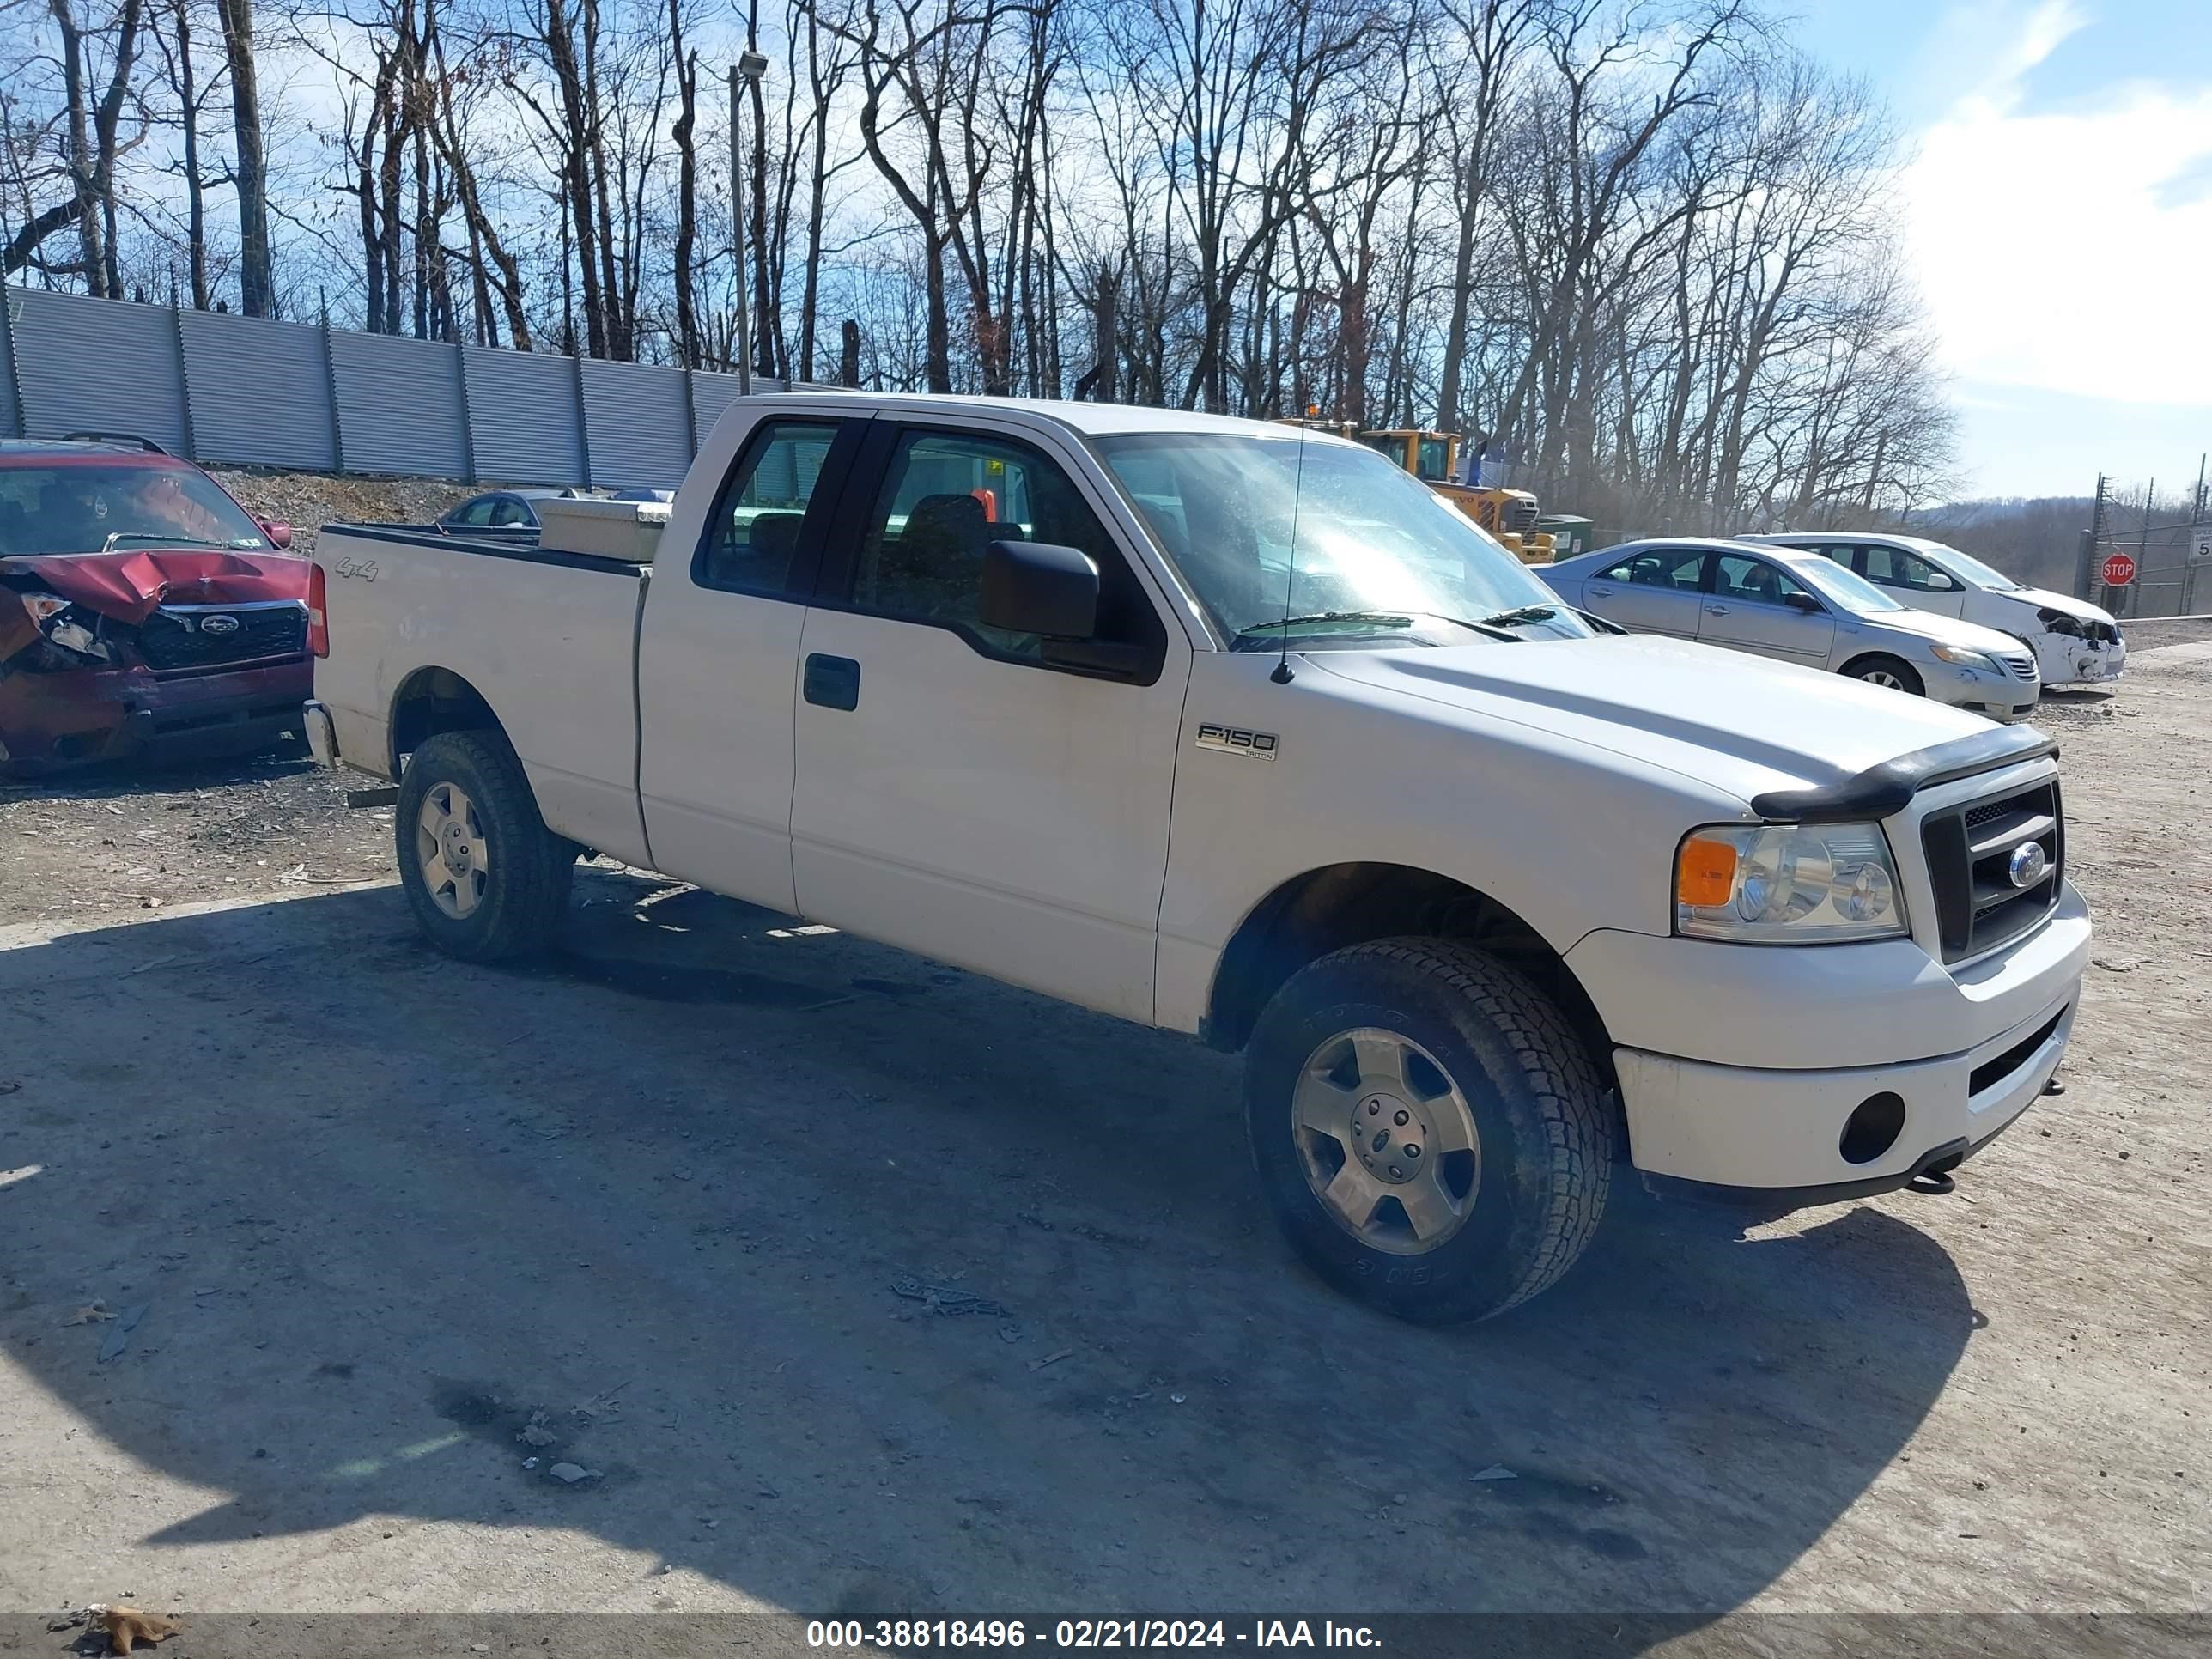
x=1704, y=874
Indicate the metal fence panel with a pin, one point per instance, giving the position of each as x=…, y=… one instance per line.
x=108, y=364
x=11, y=412
x=637, y=419
x=712, y=394
x=399, y=404
x=523, y=421
x=260, y=391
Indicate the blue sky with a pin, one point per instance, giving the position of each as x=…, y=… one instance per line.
x=2057, y=217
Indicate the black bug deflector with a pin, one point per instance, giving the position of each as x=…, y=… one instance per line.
x=1881, y=790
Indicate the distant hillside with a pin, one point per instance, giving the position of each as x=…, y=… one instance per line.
x=2037, y=541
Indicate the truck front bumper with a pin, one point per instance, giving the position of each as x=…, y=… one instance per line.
x=1780, y=1101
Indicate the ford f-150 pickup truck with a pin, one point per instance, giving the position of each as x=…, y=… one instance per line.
x=1239, y=731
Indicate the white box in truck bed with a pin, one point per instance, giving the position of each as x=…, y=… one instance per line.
x=629, y=530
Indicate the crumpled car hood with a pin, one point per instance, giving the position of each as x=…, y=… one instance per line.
x=2080, y=610
x=129, y=586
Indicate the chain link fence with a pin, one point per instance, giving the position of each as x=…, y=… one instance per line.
x=2173, y=571
x=248, y=392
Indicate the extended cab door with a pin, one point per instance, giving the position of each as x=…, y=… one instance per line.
x=1757, y=605
x=960, y=792
x=718, y=660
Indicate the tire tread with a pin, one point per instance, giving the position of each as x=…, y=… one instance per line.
x=529, y=903
x=1563, y=1081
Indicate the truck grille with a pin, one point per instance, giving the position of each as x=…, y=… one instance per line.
x=1970, y=849
x=1521, y=515
x=172, y=638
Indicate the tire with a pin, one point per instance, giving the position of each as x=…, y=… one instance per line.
x=1534, y=1186
x=496, y=890
x=1889, y=671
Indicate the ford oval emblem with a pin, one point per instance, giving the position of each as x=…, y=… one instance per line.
x=2028, y=865
x=220, y=624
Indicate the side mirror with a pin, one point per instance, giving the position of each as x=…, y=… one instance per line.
x=1940, y=583
x=1035, y=587
x=1805, y=602
x=279, y=532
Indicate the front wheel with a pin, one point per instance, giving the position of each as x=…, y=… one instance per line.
x=487, y=880
x=1887, y=672
x=1431, y=1135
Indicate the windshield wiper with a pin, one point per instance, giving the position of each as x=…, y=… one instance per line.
x=1527, y=613
x=167, y=540
x=1373, y=619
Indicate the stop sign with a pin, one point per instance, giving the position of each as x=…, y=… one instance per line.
x=2119, y=569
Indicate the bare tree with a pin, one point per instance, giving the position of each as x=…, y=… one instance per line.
x=256, y=282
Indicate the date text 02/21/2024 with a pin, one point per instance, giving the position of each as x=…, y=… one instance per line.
x=894, y=1634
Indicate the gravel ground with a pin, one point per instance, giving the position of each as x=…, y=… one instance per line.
x=400, y=1237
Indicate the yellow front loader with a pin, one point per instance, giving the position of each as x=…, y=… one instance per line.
x=1509, y=515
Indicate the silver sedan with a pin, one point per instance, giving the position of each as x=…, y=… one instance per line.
x=1799, y=607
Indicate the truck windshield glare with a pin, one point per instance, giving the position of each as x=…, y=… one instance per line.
x=1250, y=524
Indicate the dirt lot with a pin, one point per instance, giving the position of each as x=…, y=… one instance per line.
x=385, y=1224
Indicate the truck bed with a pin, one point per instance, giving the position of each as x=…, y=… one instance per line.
x=547, y=639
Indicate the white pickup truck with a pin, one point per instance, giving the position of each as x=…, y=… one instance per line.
x=1238, y=731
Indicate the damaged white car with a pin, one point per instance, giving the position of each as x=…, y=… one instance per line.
x=2074, y=642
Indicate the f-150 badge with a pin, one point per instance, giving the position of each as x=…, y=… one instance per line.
x=1235, y=740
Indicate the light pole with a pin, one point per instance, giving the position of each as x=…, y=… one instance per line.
x=749, y=69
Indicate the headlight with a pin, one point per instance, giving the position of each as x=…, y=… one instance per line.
x=1787, y=883
x=1965, y=658
x=51, y=615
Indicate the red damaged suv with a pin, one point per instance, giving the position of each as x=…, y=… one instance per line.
x=141, y=608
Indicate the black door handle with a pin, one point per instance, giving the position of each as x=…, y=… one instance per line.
x=832, y=682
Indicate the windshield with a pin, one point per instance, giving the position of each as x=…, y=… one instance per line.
x=1970, y=569
x=1845, y=587
x=1436, y=460
x=91, y=509
x=1260, y=535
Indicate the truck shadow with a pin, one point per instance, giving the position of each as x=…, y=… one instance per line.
x=850, y=1282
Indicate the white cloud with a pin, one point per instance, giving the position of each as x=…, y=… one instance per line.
x=2061, y=250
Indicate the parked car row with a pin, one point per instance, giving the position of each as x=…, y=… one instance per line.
x=2074, y=642
x=1891, y=611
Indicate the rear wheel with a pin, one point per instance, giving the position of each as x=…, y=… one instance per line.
x=487, y=880
x=1887, y=672
x=1431, y=1135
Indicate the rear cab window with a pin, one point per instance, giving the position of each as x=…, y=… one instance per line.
x=754, y=540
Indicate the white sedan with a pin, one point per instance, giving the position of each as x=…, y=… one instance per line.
x=2074, y=642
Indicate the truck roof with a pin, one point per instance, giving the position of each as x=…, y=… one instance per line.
x=1089, y=419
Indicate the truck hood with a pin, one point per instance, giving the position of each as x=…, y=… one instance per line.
x=131, y=586
x=1737, y=724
